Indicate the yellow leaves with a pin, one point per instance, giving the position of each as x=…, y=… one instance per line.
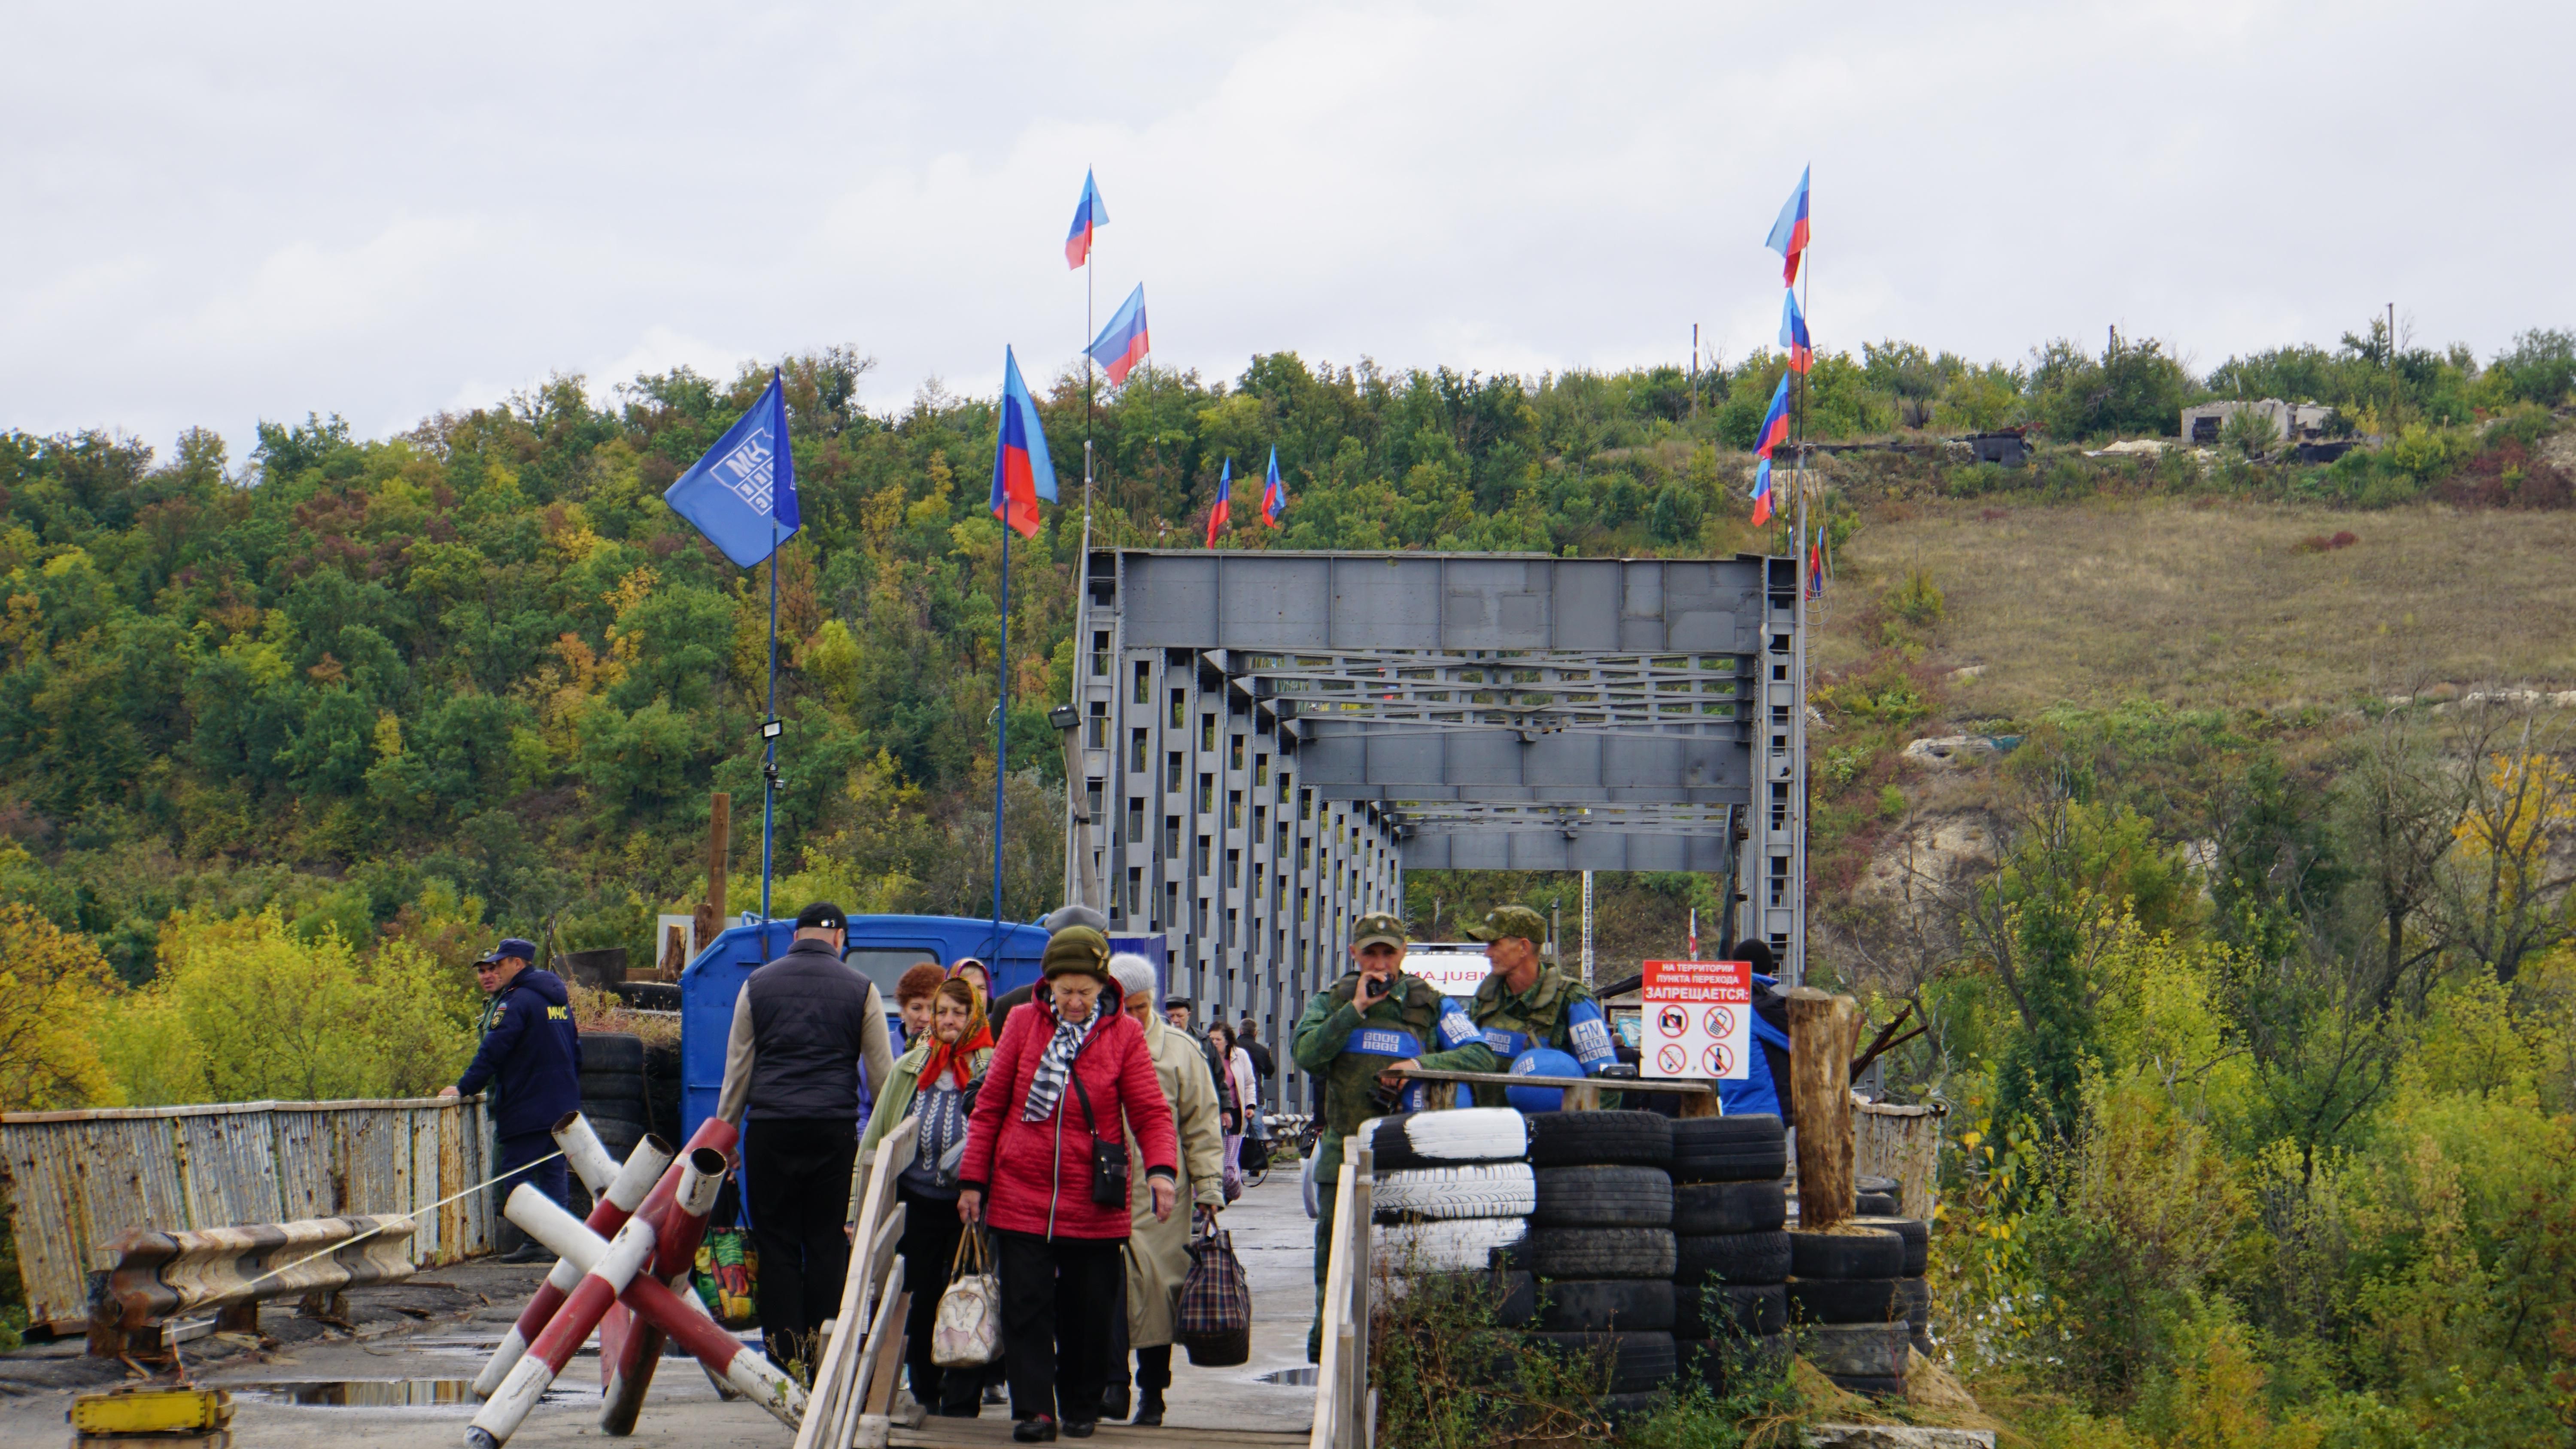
x=637, y=586
x=2531, y=799
x=52, y=984
x=881, y=515
x=263, y=660
x=388, y=736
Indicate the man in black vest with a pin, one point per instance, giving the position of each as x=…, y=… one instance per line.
x=801, y=1035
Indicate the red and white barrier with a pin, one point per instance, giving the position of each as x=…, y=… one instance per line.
x=631, y=1345
x=628, y=1188
x=610, y=1272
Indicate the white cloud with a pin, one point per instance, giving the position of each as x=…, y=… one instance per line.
x=260, y=210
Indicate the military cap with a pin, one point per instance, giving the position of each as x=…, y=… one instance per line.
x=1518, y=921
x=1377, y=927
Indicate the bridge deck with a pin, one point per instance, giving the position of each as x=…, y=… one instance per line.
x=994, y=1430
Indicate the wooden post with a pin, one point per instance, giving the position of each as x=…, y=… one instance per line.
x=1822, y=1028
x=711, y=911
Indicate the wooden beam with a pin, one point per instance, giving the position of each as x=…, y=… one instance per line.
x=1535, y=1079
x=711, y=911
x=1822, y=1027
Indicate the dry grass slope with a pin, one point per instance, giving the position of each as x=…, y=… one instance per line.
x=2219, y=604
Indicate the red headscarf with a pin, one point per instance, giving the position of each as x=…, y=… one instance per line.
x=978, y=1036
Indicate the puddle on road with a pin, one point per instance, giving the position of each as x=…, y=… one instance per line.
x=363, y=1393
x=1302, y=1377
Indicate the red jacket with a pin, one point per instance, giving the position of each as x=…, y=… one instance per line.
x=1036, y=1176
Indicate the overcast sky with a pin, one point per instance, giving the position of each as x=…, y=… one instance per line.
x=221, y=213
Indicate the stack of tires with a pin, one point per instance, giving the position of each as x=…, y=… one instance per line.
x=1875, y=1197
x=1913, y=1296
x=1843, y=1299
x=613, y=1093
x=1601, y=1247
x=1451, y=1186
x=1730, y=1200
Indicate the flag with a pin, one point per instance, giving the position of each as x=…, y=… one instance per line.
x=1274, y=494
x=1816, y=565
x=1123, y=343
x=742, y=494
x=1789, y=233
x=1218, y=515
x=1022, y=471
x=1775, y=423
x=1088, y=216
x=1762, y=493
x=1793, y=333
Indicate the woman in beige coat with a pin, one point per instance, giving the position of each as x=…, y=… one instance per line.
x=1158, y=1253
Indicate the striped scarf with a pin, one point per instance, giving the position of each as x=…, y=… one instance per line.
x=1055, y=1064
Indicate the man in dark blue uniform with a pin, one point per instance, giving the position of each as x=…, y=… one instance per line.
x=531, y=1057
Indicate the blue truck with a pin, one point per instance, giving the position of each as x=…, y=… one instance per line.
x=881, y=948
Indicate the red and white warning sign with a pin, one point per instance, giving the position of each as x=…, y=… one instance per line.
x=1698, y=1019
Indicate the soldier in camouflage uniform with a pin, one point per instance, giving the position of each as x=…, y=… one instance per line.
x=1351, y=1038
x=1529, y=1002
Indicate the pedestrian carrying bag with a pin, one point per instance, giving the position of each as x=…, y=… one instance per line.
x=1108, y=1159
x=968, y=1330
x=1216, y=1302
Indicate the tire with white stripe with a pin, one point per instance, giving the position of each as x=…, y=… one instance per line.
x=1485, y=1190
x=1446, y=1245
x=1447, y=1139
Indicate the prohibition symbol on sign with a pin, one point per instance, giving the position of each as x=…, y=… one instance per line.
x=1673, y=1059
x=1720, y=1060
x=1721, y=1021
x=1673, y=1021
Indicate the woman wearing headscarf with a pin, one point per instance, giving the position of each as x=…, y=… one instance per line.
x=936, y=1079
x=1071, y=1080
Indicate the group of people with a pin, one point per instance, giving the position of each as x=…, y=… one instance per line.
x=1076, y=1122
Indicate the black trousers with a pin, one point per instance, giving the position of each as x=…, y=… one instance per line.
x=1059, y=1305
x=798, y=1192
x=930, y=1233
x=1153, y=1365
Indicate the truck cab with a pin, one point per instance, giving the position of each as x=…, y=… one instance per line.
x=880, y=948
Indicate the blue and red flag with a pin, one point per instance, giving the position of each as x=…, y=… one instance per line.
x=1222, y=513
x=1022, y=471
x=1274, y=494
x=1793, y=334
x=1816, y=565
x=1088, y=216
x=1124, y=342
x=1789, y=233
x=742, y=494
x=1775, y=423
x=1762, y=492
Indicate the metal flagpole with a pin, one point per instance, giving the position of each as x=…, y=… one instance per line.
x=1077, y=854
x=1002, y=721
x=769, y=728
x=1797, y=962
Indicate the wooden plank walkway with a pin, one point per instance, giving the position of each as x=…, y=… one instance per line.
x=994, y=1429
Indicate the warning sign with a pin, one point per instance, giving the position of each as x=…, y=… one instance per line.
x=1698, y=1018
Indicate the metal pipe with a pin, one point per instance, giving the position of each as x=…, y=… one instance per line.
x=627, y=1371
x=615, y=1269
x=633, y=1185
x=583, y=1149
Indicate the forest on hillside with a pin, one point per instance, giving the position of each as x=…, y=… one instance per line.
x=2254, y=1023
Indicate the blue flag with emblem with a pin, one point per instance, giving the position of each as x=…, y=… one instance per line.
x=742, y=494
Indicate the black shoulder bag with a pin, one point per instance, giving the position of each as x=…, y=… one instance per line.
x=1108, y=1159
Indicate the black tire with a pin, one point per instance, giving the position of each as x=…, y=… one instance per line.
x=1914, y=1300
x=1726, y=1136
x=1616, y=1407
x=1475, y=1190
x=1859, y=1350
x=1606, y=1305
x=1704, y=1361
x=1718, y=1362
x=1603, y=1197
x=1868, y=1183
x=1874, y=1205
x=1842, y=1300
x=1516, y=1304
x=625, y=1117
x=1869, y=1254
x=1600, y=1139
x=1768, y=1166
x=612, y=1051
x=1916, y=1233
x=1734, y=1258
x=1701, y=1208
x=1731, y=1310
x=1601, y=1252
x=1636, y=1362
x=612, y=1087
x=1449, y=1139
x=1870, y=1388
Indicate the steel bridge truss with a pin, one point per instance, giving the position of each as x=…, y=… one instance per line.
x=1265, y=740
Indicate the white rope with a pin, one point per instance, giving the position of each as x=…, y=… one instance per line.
x=407, y=1217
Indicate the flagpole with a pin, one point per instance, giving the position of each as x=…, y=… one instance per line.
x=1002, y=720
x=1077, y=854
x=1798, y=759
x=769, y=765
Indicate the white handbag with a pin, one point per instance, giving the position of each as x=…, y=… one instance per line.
x=968, y=1331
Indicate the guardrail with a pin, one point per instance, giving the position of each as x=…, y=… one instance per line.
x=158, y=1276
x=76, y=1181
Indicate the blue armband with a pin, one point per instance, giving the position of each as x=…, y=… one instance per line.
x=1456, y=1027
x=1506, y=1044
x=1384, y=1041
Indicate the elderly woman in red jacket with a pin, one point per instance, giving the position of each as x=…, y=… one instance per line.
x=1071, y=1078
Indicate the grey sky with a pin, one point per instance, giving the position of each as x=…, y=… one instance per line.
x=224, y=213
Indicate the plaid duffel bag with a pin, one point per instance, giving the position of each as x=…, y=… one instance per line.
x=1215, y=1311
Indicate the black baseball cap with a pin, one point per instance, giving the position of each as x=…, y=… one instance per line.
x=822, y=915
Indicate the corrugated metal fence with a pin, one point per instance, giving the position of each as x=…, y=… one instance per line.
x=74, y=1180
